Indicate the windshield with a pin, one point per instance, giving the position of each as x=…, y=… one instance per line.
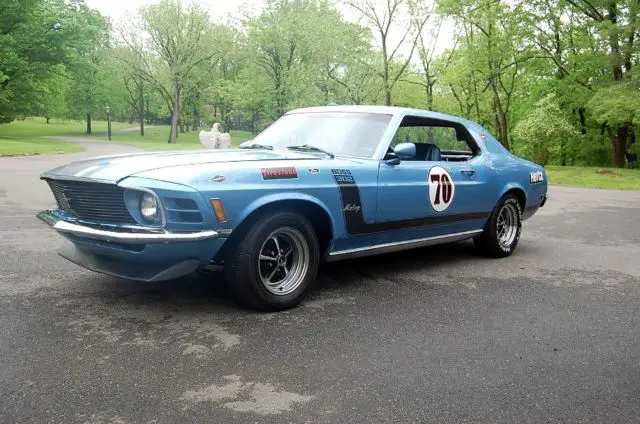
x=341, y=133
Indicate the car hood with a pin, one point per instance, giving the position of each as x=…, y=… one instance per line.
x=117, y=167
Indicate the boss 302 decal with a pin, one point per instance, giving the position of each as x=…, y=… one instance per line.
x=352, y=210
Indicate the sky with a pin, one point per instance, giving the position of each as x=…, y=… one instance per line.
x=118, y=9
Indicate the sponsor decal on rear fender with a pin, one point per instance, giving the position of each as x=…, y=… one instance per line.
x=536, y=177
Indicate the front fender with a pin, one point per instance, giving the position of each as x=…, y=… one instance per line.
x=285, y=196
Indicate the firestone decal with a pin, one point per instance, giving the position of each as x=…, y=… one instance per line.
x=536, y=177
x=441, y=188
x=279, y=173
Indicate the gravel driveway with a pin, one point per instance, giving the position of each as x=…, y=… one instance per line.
x=551, y=334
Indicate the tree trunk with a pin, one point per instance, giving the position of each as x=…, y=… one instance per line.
x=502, y=125
x=430, y=85
x=583, y=121
x=632, y=158
x=385, y=71
x=48, y=120
x=618, y=144
x=173, y=134
x=89, y=124
x=619, y=137
x=141, y=109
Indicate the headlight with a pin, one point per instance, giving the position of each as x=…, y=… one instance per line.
x=148, y=207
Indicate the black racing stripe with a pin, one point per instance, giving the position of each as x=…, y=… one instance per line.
x=352, y=211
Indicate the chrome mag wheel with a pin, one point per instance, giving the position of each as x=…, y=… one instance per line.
x=284, y=261
x=507, y=225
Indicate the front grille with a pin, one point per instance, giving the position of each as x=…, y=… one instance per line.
x=96, y=202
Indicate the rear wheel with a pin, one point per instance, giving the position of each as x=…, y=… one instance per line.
x=275, y=263
x=502, y=231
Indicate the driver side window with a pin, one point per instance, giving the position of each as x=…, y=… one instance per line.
x=435, y=140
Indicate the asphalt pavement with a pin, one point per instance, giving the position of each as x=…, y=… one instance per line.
x=551, y=334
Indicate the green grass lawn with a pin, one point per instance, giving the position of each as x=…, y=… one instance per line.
x=29, y=136
x=32, y=146
x=610, y=178
x=155, y=139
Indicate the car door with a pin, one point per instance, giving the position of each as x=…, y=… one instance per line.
x=439, y=191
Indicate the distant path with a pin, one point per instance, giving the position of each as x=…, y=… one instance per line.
x=132, y=129
x=27, y=169
x=75, y=139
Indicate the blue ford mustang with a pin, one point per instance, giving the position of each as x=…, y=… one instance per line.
x=323, y=183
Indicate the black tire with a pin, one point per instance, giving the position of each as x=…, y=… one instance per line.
x=243, y=266
x=490, y=243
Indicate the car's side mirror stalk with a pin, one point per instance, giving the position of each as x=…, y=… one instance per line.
x=391, y=159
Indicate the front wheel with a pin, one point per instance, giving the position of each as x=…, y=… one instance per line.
x=502, y=231
x=275, y=263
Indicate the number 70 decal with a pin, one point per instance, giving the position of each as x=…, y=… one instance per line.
x=441, y=188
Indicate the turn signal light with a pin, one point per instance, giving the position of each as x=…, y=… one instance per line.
x=219, y=209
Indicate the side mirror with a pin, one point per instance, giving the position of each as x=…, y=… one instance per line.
x=405, y=150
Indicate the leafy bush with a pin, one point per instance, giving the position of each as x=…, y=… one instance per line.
x=543, y=132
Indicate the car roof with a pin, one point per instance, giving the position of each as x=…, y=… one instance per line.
x=386, y=110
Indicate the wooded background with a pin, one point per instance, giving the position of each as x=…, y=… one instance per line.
x=555, y=81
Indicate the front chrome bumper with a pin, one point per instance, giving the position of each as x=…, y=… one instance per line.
x=138, y=237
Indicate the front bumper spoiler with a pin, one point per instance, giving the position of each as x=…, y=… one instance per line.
x=140, y=236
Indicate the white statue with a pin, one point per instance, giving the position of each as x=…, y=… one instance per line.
x=214, y=139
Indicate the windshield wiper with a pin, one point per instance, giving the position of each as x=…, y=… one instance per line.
x=310, y=148
x=256, y=146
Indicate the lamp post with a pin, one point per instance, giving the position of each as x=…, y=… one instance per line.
x=109, y=121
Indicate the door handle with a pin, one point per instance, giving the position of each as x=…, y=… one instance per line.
x=468, y=172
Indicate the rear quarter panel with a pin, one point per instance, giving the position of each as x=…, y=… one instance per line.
x=508, y=171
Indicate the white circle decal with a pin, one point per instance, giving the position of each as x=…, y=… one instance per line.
x=441, y=188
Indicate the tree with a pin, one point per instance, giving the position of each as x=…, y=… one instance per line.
x=543, y=131
x=412, y=15
x=179, y=39
x=617, y=22
x=42, y=42
x=495, y=47
x=426, y=52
